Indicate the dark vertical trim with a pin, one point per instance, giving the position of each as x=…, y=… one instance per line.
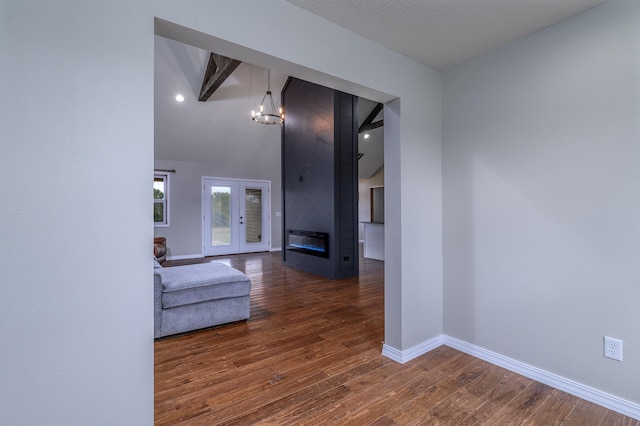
x=356, y=198
x=282, y=182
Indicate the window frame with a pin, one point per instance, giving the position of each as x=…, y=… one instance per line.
x=164, y=201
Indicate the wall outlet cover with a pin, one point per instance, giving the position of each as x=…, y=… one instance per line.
x=613, y=348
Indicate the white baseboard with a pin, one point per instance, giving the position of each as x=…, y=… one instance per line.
x=200, y=255
x=612, y=402
x=413, y=352
x=186, y=256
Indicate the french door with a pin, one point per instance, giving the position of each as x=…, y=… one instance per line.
x=236, y=216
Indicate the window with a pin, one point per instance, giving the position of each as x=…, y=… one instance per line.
x=160, y=199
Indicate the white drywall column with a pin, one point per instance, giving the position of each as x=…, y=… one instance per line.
x=76, y=140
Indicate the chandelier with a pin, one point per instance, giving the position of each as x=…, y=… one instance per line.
x=269, y=116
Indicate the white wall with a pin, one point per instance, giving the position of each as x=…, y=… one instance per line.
x=76, y=141
x=184, y=235
x=364, y=199
x=541, y=198
x=76, y=115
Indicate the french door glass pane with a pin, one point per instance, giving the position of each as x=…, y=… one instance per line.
x=220, y=216
x=253, y=215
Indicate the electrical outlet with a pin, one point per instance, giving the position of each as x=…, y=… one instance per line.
x=613, y=348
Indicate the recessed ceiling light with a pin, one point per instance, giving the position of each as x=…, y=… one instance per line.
x=366, y=135
x=179, y=98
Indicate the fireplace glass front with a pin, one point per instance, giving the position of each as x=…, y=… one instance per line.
x=308, y=242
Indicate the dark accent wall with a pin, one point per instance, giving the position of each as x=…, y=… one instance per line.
x=320, y=175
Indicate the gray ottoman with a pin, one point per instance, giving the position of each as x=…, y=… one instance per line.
x=190, y=297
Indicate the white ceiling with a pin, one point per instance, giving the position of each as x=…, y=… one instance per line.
x=443, y=33
x=206, y=132
x=371, y=148
x=438, y=33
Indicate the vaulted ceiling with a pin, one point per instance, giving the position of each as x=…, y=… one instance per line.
x=196, y=131
x=438, y=33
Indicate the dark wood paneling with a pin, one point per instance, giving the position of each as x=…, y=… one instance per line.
x=319, y=169
x=308, y=157
x=346, y=187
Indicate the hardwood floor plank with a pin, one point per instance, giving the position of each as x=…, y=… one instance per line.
x=311, y=354
x=291, y=399
x=366, y=404
x=455, y=408
x=615, y=419
x=417, y=409
x=585, y=412
x=554, y=409
x=527, y=402
x=497, y=390
x=382, y=421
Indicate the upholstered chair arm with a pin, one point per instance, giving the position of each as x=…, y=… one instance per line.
x=157, y=303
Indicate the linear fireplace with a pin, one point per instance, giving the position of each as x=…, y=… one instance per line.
x=308, y=242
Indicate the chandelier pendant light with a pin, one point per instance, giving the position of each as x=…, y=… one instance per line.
x=269, y=116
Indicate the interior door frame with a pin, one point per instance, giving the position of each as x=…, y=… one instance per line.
x=237, y=245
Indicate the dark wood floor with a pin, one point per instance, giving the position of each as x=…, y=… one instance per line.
x=311, y=354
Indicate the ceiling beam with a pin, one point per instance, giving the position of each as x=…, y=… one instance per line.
x=366, y=128
x=219, y=68
x=368, y=123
